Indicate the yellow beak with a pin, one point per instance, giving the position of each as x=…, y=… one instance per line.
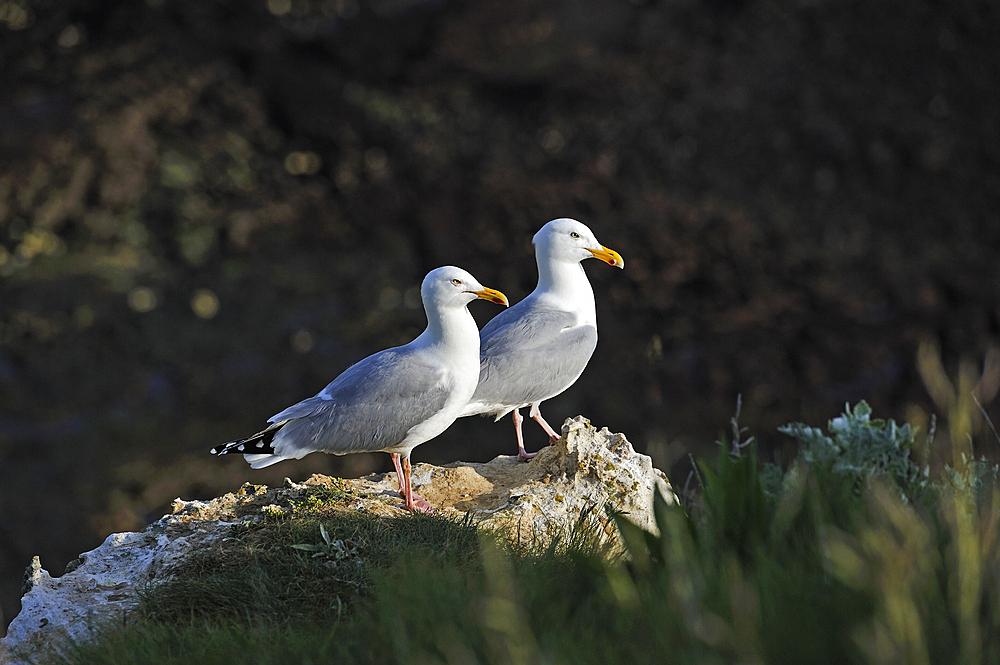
x=492, y=295
x=609, y=256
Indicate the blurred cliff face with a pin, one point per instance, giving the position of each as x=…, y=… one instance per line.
x=208, y=211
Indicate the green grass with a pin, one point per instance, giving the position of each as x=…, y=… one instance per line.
x=852, y=555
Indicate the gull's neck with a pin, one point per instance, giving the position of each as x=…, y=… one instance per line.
x=565, y=284
x=450, y=330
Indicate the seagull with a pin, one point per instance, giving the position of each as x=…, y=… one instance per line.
x=539, y=347
x=391, y=401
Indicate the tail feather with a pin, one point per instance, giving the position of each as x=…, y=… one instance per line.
x=261, y=443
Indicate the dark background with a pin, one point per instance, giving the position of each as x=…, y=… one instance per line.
x=208, y=209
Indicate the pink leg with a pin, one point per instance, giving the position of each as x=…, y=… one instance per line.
x=411, y=501
x=399, y=471
x=537, y=415
x=522, y=454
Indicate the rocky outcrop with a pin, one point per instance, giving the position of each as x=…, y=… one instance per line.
x=587, y=467
x=100, y=586
x=583, y=471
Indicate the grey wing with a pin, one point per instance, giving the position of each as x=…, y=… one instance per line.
x=531, y=356
x=370, y=407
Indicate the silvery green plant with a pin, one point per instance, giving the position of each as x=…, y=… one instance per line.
x=863, y=447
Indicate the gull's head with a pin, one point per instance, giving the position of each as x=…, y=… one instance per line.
x=453, y=287
x=568, y=240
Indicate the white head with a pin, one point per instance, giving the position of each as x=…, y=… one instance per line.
x=449, y=286
x=568, y=240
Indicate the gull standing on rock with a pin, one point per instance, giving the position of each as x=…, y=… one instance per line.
x=539, y=347
x=391, y=401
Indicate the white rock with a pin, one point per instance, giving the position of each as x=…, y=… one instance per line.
x=100, y=589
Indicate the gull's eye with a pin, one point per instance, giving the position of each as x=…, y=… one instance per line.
x=574, y=234
x=456, y=282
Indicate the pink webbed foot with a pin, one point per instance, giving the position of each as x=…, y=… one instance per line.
x=418, y=504
x=524, y=456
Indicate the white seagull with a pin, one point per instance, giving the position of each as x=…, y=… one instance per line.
x=539, y=347
x=391, y=401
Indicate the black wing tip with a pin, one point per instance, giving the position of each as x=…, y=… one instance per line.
x=225, y=448
x=260, y=443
